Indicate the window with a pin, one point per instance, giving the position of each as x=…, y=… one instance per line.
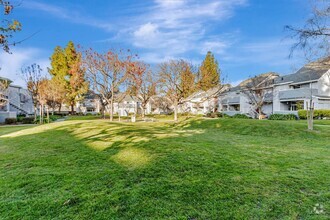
x=296, y=86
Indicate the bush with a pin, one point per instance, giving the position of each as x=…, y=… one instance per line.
x=282, y=117
x=28, y=120
x=212, y=115
x=53, y=117
x=222, y=115
x=319, y=113
x=242, y=116
x=20, y=118
x=10, y=121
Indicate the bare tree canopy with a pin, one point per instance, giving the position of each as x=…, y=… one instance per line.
x=257, y=90
x=314, y=37
x=33, y=77
x=106, y=73
x=170, y=74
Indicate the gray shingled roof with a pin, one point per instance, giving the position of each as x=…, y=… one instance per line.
x=311, y=71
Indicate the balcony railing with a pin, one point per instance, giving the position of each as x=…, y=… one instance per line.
x=297, y=93
x=232, y=100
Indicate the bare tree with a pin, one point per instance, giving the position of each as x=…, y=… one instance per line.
x=257, y=90
x=161, y=102
x=314, y=37
x=32, y=76
x=143, y=85
x=170, y=74
x=106, y=73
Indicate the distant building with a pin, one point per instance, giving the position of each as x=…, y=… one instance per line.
x=311, y=82
x=237, y=101
x=17, y=101
x=286, y=94
x=202, y=102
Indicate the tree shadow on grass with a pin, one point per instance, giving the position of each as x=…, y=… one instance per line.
x=129, y=171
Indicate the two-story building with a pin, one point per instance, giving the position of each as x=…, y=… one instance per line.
x=16, y=100
x=296, y=91
x=248, y=95
x=202, y=102
x=284, y=94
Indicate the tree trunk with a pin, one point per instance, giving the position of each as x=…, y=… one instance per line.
x=119, y=112
x=175, y=111
x=59, y=108
x=72, y=108
x=259, y=114
x=111, y=102
x=40, y=117
x=143, y=107
x=310, y=115
x=35, y=114
x=47, y=110
x=111, y=110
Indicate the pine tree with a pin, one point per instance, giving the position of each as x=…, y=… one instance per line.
x=66, y=68
x=77, y=85
x=209, y=73
x=187, y=80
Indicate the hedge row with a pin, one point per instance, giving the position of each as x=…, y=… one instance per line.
x=320, y=113
x=282, y=117
x=10, y=121
x=221, y=115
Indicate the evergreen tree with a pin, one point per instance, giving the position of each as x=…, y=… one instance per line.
x=187, y=80
x=77, y=86
x=209, y=73
x=66, y=68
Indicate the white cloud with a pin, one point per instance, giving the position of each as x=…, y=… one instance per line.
x=146, y=30
x=170, y=3
x=146, y=33
x=11, y=64
x=175, y=28
x=70, y=15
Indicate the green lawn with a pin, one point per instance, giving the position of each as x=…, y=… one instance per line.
x=195, y=169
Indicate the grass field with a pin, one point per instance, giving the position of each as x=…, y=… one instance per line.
x=195, y=169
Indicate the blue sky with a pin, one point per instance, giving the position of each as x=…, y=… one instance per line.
x=246, y=36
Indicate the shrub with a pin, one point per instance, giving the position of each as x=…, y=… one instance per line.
x=242, y=116
x=54, y=117
x=214, y=115
x=10, y=121
x=282, y=117
x=28, y=120
x=20, y=118
x=319, y=113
